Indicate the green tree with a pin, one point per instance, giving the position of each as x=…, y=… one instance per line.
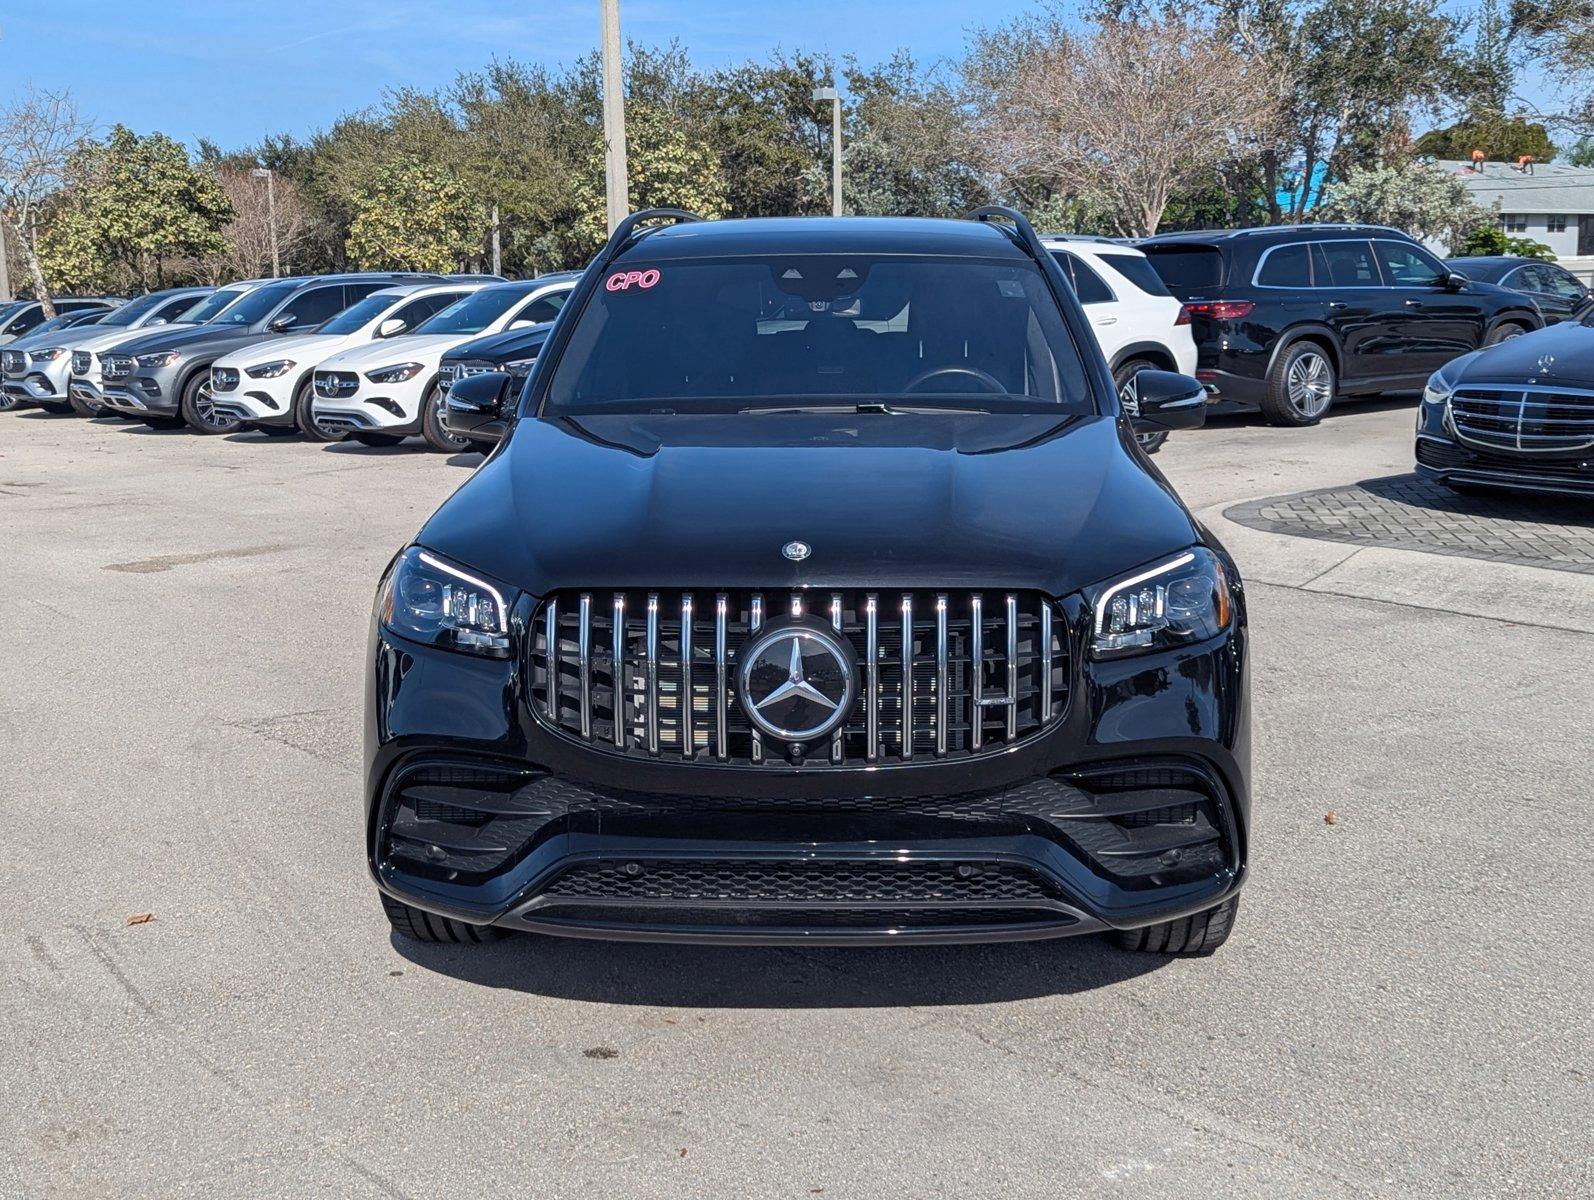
x=1582, y=153
x=413, y=216
x=1502, y=139
x=1488, y=239
x=135, y=212
x=666, y=167
x=1424, y=201
x=770, y=136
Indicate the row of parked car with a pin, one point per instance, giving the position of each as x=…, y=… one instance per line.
x=327, y=356
x=1286, y=319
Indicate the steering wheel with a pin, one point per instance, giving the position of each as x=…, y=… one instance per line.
x=991, y=382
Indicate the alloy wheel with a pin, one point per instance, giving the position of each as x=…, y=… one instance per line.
x=1309, y=384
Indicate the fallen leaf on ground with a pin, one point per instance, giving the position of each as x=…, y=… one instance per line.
x=1330, y=818
x=140, y=918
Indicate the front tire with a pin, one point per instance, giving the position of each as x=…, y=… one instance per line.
x=421, y=926
x=1124, y=380
x=86, y=408
x=432, y=428
x=1191, y=937
x=1301, y=386
x=1504, y=332
x=304, y=416
x=198, y=411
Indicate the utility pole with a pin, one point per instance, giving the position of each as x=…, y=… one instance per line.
x=271, y=215
x=614, y=175
x=5, y=264
x=820, y=96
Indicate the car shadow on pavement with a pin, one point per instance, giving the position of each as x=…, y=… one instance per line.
x=1416, y=491
x=1223, y=416
x=466, y=458
x=662, y=975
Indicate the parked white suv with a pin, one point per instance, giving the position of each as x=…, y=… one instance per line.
x=382, y=393
x=1138, y=322
x=268, y=386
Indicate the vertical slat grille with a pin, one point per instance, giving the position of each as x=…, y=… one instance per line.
x=946, y=674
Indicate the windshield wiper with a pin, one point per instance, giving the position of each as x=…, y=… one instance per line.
x=868, y=407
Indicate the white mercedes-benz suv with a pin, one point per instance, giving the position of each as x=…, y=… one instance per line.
x=382, y=393
x=1137, y=321
x=267, y=386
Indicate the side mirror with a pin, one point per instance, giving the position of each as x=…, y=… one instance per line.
x=522, y=323
x=155, y=322
x=1167, y=400
x=1454, y=281
x=392, y=327
x=474, y=407
x=283, y=323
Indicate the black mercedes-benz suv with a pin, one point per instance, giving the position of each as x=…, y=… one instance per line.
x=816, y=591
x=1290, y=318
x=1518, y=416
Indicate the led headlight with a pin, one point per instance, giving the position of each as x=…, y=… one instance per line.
x=167, y=358
x=521, y=364
x=1438, y=389
x=49, y=354
x=427, y=599
x=1183, y=600
x=271, y=370
x=395, y=374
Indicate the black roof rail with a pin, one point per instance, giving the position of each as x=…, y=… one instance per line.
x=632, y=227
x=1024, y=233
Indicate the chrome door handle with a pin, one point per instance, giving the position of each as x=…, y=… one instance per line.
x=1414, y=304
x=1106, y=320
x=1337, y=304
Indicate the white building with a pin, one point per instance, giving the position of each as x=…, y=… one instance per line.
x=1553, y=205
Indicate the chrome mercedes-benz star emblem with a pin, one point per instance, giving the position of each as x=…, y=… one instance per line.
x=796, y=682
x=796, y=551
x=1546, y=361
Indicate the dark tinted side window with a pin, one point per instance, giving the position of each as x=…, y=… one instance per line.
x=1188, y=268
x=416, y=311
x=359, y=291
x=1088, y=285
x=1345, y=264
x=1287, y=267
x=1556, y=281
x=1407, y=266
x=1138, y=272
x=67, y=306
x=26, y=320
x=173, y=309
x=544, y=308
x=312, y=307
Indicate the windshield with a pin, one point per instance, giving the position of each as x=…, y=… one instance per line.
x=350, y=320
x=60, y=322
x=211, y=305
x=723, y=335
x=255, y=305
x=475, y=312
x=132, y=310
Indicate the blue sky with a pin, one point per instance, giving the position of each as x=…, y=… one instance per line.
x=234, y=70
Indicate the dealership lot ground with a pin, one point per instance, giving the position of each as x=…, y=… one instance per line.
x=1404, y=1009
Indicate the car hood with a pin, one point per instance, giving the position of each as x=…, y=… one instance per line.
x=415, y=347
x=304, y=349
x=167, y=338
x=901, y=501
x=1557, y=354
x=496, y=346
x=108, y=339
x=65, y=338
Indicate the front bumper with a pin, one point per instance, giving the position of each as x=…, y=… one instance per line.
x=255, y=401
x=1134, y=808
x=385, y=408
x=40, y=381
x=146, y=393
x=1441, y=457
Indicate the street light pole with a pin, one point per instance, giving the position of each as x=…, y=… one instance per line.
x=271, y=215
x=832, y=95
x=614, y=173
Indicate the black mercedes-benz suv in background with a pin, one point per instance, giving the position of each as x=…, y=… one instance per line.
x=513, y=352
x=1518, y=416
x=1290, y=318
x=818, y=591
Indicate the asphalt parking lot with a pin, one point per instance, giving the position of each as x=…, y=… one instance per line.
x=1403, y=1010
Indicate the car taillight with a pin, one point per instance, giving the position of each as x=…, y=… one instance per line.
x=1184, y=315
x=1221, y=310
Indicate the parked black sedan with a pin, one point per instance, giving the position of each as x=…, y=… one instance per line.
x=1518, y=416
x=1560, y=295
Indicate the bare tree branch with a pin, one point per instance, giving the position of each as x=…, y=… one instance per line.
x=37, y=134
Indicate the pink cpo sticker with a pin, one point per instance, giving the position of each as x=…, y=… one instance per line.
x=622, y=281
